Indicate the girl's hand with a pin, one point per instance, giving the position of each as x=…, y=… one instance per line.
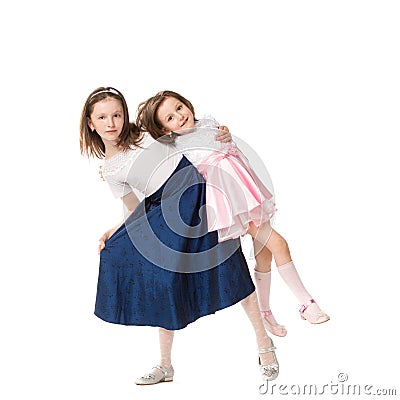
x=130, y=201
x=104, y=238
x=223, y=135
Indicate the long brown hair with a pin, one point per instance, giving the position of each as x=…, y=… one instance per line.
x=147, y=120
x=90, y=142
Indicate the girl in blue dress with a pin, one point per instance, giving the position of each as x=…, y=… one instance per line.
x=161, y=267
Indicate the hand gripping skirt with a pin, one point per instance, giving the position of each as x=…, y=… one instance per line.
x=163, y=268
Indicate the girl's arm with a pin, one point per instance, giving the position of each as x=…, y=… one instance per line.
x=131, y=202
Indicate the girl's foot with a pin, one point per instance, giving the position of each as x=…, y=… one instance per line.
x=157, y=375
x=268, y=363
x=271, y=324
x=311, y=312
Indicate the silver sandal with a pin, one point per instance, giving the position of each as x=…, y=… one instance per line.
x=271, y=371
x=161, y=375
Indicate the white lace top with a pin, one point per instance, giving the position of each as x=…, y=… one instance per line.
x=199, y=142
x=144, y=168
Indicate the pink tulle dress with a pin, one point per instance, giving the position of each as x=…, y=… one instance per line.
x=235, y=195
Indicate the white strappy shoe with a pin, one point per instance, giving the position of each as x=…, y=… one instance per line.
x=161, y=374
x=269, y=372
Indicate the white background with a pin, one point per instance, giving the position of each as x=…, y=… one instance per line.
x=313, y=86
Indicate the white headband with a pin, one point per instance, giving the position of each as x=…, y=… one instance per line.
x=113, y=91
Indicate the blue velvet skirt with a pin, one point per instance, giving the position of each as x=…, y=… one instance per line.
x=163, y=268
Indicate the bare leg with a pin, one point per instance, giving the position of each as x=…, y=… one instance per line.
x=265, y=236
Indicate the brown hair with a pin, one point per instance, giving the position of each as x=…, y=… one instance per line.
x=91, y=143
x=147, y=120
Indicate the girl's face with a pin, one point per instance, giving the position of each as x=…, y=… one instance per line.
x=107, y=119
x=174, y=115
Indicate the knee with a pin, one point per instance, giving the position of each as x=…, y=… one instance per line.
x=281, y=244
x=252, y=229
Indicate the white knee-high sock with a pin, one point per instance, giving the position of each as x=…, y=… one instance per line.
x=289, y=274
x=263, y=286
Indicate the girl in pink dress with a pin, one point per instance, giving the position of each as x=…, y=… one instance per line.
x=237, y=200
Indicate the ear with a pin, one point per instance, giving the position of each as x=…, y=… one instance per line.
x=165, y=131
x=90, y=124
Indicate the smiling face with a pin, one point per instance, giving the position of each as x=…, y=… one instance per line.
x=174, y=115
x=107, y=118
